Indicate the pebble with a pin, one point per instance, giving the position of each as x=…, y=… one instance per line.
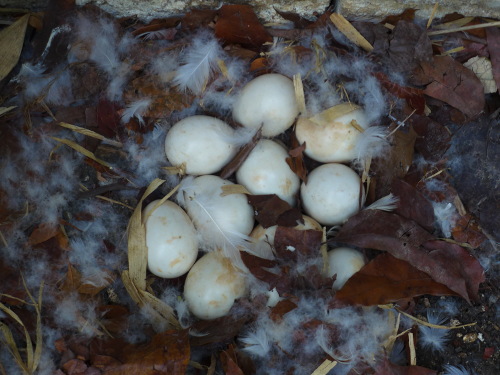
x=470, y=337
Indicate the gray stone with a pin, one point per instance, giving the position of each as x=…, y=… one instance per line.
x=149, y=9
x=378, y=9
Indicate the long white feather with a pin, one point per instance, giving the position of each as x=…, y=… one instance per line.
x=202, y=206
x=199, y=61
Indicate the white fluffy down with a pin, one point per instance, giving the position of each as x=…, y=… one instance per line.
x=265, y=171
x=344, y=262
x=212, y=286
x=202, y=143
x=332, y=194
x=171, y=240
x=268, y=100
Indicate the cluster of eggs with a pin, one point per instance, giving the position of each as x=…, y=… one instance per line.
x=203, y=145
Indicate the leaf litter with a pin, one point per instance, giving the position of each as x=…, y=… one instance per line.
x=407, y=255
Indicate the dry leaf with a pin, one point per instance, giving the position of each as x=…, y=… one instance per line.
x=481, y=66
x=11, y=44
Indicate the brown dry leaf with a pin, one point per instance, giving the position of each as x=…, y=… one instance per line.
x=92, y=285
x=396, y=165
x=42, y=233
x=282, y=307
x=413, y=204
x=447, y=263
x=407, y=15
x=238, y=24
x=297, y=244
x=72, y=280
x=168, y=353
x=230, y=362
x=413, y=96
x=468, y=231
x=271, y=210
x=296, y=159
x=11, y=44
x=387, y=279
x=452, y=83
x=220, y=330
x=433, y=138
x=240, y=156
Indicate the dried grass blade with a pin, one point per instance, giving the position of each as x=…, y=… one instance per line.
x=4, y=110
x=350, y=32
x=90, y=133
x=299, y=93
x=82, y=150
x=325, y=367
x=137, y=250
x=11, y=44
x=12, y=347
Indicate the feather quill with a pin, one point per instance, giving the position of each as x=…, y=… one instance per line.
x=199, y=61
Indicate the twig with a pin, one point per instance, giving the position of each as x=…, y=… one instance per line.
x=464, y=28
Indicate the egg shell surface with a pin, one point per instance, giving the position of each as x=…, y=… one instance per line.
x=212, y=285
x=331, y=141
x=267, y=100
x=202, y=143
x=332, y=194
x=265, y=171
x=171, y=240
x=344, y=262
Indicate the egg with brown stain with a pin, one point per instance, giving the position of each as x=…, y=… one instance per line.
x=212, y=285
x=171, y=240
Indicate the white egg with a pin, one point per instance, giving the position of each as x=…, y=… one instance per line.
x=265, y=171
x=216, y=217
x=333, y=193
x=268, y=100
x=171, y=240
x=344, y=262
x=212, y=285
x=264, y=237
x=331, y=140
x=203, y=143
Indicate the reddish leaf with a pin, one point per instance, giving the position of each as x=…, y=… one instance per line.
x=413, y=96
x=42, y=233
x=229, y=362
x=108, y=119
x=467, y=230
x=217, y=331
x=413, y=205
x=406, y=15
x=434, y=139
x=297, y=244
x=493, y=38
x=74, y=366
x=446, y=263
x=72, y=280
x=296, y=159
x=168, y=353
x=197, y=18
x=258, y=267
x=387, y=279
x=240, y=156
x=238, y=24
x=452, y=83
x=385, y=367
x=396, y=165
x=281, y=308
x=271, y=210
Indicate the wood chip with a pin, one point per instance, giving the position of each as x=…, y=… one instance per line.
x=345, y=27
